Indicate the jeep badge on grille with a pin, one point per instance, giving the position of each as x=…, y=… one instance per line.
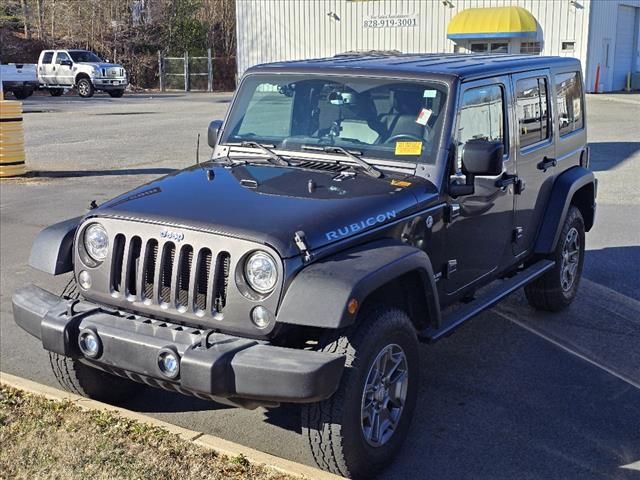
x=171, y=235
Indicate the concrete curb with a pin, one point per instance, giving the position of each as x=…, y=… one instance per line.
x=220, y=445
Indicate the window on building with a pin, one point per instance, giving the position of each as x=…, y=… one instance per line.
x=568, y=46
x=533, y=48
x=481, y=117
x=569, y=98
x=499, y=48
x=47, y=57
x=479, y=47
x=532, y=109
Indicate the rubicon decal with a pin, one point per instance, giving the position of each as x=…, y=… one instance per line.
x=361, y=225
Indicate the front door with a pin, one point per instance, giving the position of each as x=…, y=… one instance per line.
x=46, y=71
x=63, y=73
x=479, y=234
x=535, y=154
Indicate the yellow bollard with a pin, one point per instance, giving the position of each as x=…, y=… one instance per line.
x=12, y=155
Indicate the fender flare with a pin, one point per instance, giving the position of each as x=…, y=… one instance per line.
x=561, y=198
x=318, y=296
x=52, y=250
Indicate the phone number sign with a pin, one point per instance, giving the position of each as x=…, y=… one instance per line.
x=390, y=20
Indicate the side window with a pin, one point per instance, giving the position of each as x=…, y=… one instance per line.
x=61, y=56
x=569, y=98
x=47, y=57
x=533, y=110
x=481, y=116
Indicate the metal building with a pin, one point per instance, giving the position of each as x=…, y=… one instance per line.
x=603, y=34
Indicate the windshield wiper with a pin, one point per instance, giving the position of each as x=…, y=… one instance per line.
x=273, y=156
x=366, y=166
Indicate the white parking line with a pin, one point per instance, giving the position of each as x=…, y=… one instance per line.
x=553, y=341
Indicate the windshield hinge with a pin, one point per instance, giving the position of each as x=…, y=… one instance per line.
x=301, y=242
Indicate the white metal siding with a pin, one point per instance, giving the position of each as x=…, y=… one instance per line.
x=603, y=19
x=272, y=30
x=624, y=46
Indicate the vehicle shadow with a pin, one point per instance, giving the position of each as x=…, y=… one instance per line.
x=495, y=402
x=608, y=155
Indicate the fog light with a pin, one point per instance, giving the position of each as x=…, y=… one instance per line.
x=89, y=343
x=260, y=317
x=84, y=279
x=169, y=363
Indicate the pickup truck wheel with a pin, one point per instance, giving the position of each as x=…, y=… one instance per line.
x=76, y=377
x=85, y=88
x=357, y=431
x=22, y=93
x=557, y=288
x=56, y=92
x=115, y=93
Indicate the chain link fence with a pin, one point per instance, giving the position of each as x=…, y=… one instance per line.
x=196, y=74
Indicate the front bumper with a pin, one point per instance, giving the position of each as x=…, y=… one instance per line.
x=212, y=364
x=110, y=83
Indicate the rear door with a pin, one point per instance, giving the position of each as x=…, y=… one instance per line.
x=535, y=154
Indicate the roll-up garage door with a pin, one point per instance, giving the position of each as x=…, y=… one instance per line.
x=623, y=59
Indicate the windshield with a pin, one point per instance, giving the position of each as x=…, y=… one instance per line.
x=380, y=118
x=83, y=56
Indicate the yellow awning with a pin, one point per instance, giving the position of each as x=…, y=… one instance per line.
x=497, y=22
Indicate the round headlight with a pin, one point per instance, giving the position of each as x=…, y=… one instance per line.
x=96, y=242
x=261, y=272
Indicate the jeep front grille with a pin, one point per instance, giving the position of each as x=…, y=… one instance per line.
x=185, y=277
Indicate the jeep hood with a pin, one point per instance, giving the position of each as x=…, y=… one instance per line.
x=269, y=204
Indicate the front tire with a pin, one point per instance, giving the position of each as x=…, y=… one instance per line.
x=115, y=93
x=557, y=288
x=81, y=379
x=359, y=430
x=85, y=88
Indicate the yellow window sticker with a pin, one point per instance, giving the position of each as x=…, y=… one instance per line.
x=408, y=148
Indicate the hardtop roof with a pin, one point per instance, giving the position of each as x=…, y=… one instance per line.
x=442, y=64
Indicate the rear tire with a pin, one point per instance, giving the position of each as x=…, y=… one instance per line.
x=557, y=288
x=341, y=430
x=85, y=88
x=56, y=92
x=81, y=379
x=22, y=93
x=115, y=93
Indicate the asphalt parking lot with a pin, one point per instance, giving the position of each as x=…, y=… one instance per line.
x=513, y=395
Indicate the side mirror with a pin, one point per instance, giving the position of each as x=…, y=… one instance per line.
x=66, y=63
x=479, y=157
x=482, y=157
x=212, y=134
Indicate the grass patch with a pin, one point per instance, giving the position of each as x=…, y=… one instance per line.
x=44, y=439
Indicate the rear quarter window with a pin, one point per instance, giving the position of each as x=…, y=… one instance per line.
x=569, y=100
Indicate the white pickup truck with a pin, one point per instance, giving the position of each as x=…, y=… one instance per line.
x=84, y=70
x=58, y=70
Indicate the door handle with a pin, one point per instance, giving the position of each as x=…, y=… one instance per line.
x=547, y=163
x=506, y=180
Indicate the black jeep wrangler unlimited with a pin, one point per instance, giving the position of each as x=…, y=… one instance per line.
x=352, y=207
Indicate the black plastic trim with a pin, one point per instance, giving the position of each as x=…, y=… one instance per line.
x=222, y=365
x=319, y=294
x=52, y=250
